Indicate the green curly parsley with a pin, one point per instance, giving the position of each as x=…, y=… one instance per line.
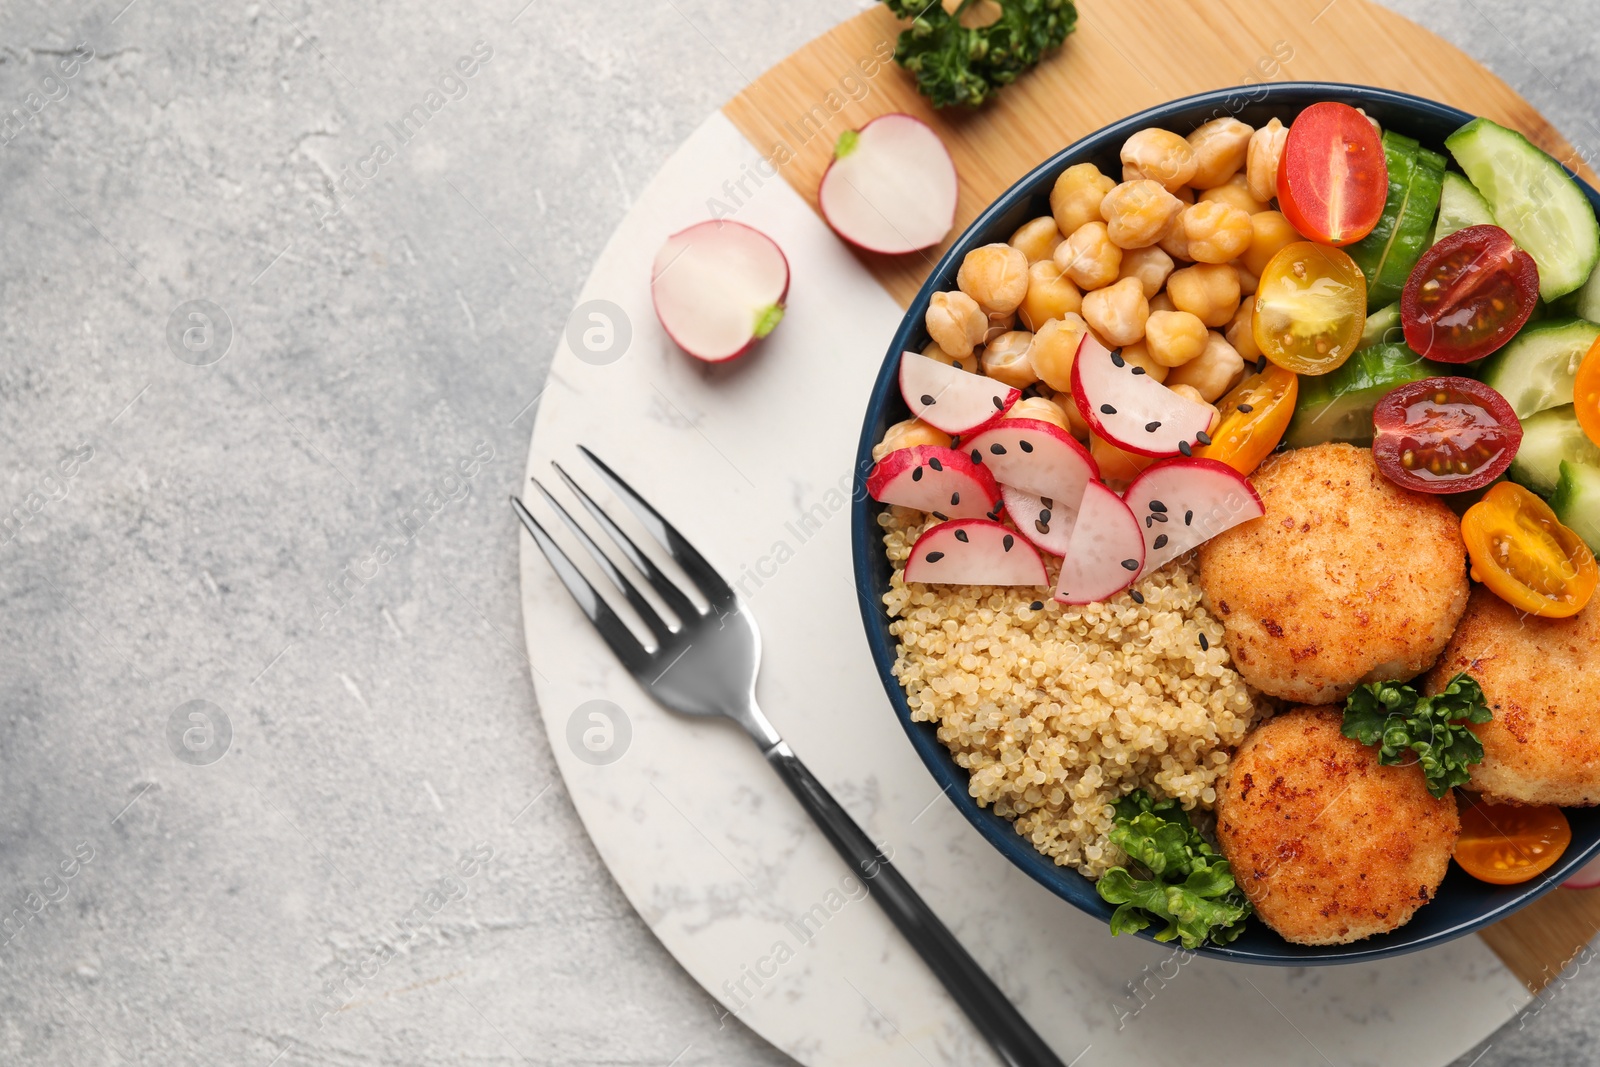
x=1401, y=720
x=1189, y=889
x=963, y=64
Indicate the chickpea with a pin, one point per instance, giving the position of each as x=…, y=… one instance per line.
x=1162, y=302
x=1220, y=147
x=1037, y=238
x=1235, y=192
x=1215, y=232
x=909, y=434
x=999, y=324
x=996, y=276
x=1208, y=291
x=1176, y=243
x=1118, y=312
x=1055, y=347
x=1184, y=195
x=1269, y=232
x=956, y=323
x=1075, y=198
x=1248, y=282
x=1117, y=468
x=1261, y=166
x=1051, y=294
x=1138, y=354
x=1150, y=265
x=968, y=363
x=1076, y=425
x=1189, y=392
x=1159, y=155
x=1089, y=257
x=1005, y=359
x=1241, y=332
x=1213, y=372
x=1138, y=214
x=1173, y=338
x=1041, y=408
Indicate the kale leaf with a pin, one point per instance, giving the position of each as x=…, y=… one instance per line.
x=962, y=64
x=1400, y=720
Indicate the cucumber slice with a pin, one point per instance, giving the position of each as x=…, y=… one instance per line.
x=1548, y=439
x=1586, y=301
x=1387, y=254
x=1337, y=406
x=1382, y=326
x=1534, y=371
x=1534, y=199
x=1576, y=501
x=1460, y=206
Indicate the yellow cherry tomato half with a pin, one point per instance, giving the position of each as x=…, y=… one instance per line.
x=1586, y=393
x=1255, y=413
x=1311, y=306
x=1525, y=556
x=1504, y=844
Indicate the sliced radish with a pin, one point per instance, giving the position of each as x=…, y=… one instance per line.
x=891, y=186
x=1045, y=521
x=1132, y=410
x=718, y=288
x=940, y=481
x=1106, y=552
x=974, y=552
x=949, y=398
x=1182, y=503
x=1587, y=877
x=1035, y=456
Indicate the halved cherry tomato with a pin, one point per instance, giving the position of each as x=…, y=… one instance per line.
x=1311, y=306
x=1332, y=179
x=1525, y=556
x=1254, y=416
x=1504, y=844
x=1468, y=295
x=1586, y=393
x=1444, y=435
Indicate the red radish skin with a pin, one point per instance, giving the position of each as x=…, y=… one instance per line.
x=1107, y=550
x=943, y=482
x=891, y=187
x=1183, y=503
x=1132, y=410
x=1035, y=456
x=1045, y=521
x=951, y=399
x=718, y=287
x=974, y=552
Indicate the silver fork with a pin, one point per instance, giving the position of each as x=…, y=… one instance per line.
x=706, y=666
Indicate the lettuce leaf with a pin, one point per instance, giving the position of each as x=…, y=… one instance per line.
x=1431, y=731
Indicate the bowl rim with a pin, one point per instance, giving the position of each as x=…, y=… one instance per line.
x=867, y=550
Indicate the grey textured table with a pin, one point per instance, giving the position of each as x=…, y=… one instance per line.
x=264, y=392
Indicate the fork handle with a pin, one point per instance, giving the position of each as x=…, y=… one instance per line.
x=994, y=1016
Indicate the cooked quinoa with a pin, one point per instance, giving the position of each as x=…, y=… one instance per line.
x=1058, y=711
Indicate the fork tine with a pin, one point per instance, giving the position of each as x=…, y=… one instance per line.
x=694, y=564
x=680, y=604
x=613, y=629
x=657, y=625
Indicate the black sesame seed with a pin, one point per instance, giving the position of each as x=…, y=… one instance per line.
x=1205, y=646
x=1203, y=437
x=1107, y=409
x=1042, y=526
x=1188, y=517
x=1247, y=408
x=941, y=516
x=1044, y=516
x=1037, y=605
x=1157, y=505
x=927, y=401
x=999, y=405
x=977, y=457
x=955, y=499
x=1160, y=542
x=961, y=535
x=1026, y=446
x=1183, y=446
x=1261, y=365
x=1151, y=427
x=1138, y=370
x=1047, y=502
x=1159, y=517
x=998, y=449
x=1148, y=519
x=935, y=557
x=916, y=474
x=1116, y=357
x=1130, y=564
x=1137, y=597
x=1008, y=541
x=935, y=464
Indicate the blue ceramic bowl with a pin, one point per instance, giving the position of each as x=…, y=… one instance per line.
x=1463, y=903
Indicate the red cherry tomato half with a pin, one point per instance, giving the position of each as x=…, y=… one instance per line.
x=1468, y=295
x=1444, y=435
x=1332, y=179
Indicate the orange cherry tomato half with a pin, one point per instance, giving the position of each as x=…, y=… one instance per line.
x=1504, y=844
x=1332, y=178
x=1311, y=306
x=1254, y=416
x=1586, y=393
x=1468, y=295
x=1525, y=556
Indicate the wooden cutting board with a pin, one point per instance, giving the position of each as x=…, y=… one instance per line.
x=1127, y=55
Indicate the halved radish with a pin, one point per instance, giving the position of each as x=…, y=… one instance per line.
x=718, y=288
x=1035, y=456
x=1182, y=503
x=974, y=552
x=1132, y=410
x=1045, y=521
x=949, y=398
x=1587, y=877
x=940, y=481
x=1106, y=552
x=891, y=186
